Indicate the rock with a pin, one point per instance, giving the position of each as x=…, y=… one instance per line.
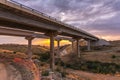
x=9, y=72
x=15, y=68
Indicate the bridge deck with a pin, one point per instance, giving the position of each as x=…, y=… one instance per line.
x=53, y=24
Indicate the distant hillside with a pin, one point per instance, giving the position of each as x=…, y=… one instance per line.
x=23, y=48
x=115, y=43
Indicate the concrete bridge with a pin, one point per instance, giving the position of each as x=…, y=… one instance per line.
x=20, y=20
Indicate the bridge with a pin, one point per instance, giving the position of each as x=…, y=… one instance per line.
x=20, y=20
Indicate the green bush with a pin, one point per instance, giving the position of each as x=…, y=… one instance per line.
x=113, y=56
x=98, y=48
x=63, y=74
x=14, y=52
x=44, y=57
x=62, y=63
x=83, y=48
x=58, y=69
x=118, y=51
x=62, y=71
x=96, y=67
x=45, y=73
x=59, y=62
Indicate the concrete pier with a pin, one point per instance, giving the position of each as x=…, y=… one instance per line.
x=29, y=49
x=58, y=47
x=72, y=45
x=88, y=45
x=78, y=47
x=52, y=58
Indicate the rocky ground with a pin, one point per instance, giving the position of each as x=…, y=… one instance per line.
x=17, y=67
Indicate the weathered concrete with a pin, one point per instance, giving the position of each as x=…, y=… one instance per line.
x=78, y=47
x=58, y=47
x=88, y=45
x=29, y=50
x=52, y=58
x=26, y=33
x=72, y=45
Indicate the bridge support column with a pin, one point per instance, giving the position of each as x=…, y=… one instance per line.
x=78, y=48
x=52, y=58
x=29, y=49
x=88, y=45
x=52, y=36
x=58, y=47
x=72, y=45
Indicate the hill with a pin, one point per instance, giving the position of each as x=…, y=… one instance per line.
x=36, y=49
x=103, y=60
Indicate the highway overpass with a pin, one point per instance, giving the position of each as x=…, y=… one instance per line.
x=18, y=16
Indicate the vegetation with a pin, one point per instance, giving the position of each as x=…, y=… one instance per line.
x=61, y=70
x=45, y=73
x=44, y=57
x=118, y=51
x=96, y=67
x=64, y=73
x=113, y=56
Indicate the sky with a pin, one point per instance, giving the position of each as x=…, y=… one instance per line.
x=98, y=17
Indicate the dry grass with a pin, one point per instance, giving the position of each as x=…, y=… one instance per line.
x=36, y=49
x=107, y=55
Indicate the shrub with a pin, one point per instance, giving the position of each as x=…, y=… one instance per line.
x=42, y=64
x=45, y=73
x=62, y=63
x=58, y=69
x=63, y=74
x=14, y=52
x=118, y=51
x=83, y=48
x=44, y=57
x=96, y=67
x=98, y=48
x=113, y=56
x=4, y=52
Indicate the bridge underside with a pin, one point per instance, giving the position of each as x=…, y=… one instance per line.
x=16, y=16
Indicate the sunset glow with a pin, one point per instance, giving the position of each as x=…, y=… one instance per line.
x=46, y=42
